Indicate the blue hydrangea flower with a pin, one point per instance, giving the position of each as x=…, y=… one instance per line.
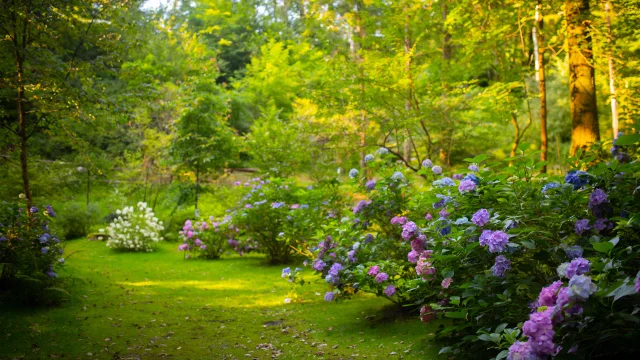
x=580, y=287
x=427, y=163
x=437, y=169
x=577, y=178
x=474, y=168
x=473, y=178
x=33, y=210
x=383, y=151
x=445, y=181
x=353, y=173
x=370, y=185
x=368, y=158
x=397, y=176
x=501, y=265
x=329, y=296
x=551, y=185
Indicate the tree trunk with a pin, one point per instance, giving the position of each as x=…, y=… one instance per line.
x=538, y=39
x=364, y=124
x=22, y=120
x=447, y=134
x=584, y=111
x=516, y=137
x=612, y=85
x=407, y=102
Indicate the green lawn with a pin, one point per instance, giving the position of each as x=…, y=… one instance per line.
x=157, y=305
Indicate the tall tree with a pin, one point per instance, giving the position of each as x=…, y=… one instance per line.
x=612, y=83
x=539, y=55
x=582, y=85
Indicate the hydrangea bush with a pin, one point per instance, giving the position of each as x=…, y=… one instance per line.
x=281, y=216
x=134, y=229
x=523, y=266
x=206, y=239
x=28, y=248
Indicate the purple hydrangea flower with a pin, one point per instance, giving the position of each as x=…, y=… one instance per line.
x=446, y=282
x=522, y=351
x=548, y=295
x=474, y=168
x=580, y=287
x=596, y=198
x=437, y=170
x=496, y=240
x=413, y=256
x=368, y=238
x=427, y=163
x=44, y=250
x=398, y=220
x=33, y=210
x=501, y=266
x=50, y=273
x=390, y=290
x=473, y=178
x=361, y=205
x=318, y=265
x=352, y=256
x=329, y=296
x=481, y=217
x=382, y=277
x=428, y=217
x=637, y=285
x=466, y=186
x=539, y=329
x=458, y=176
x=49, y=211
x=419, y=243
x=578, y=266
x=600, y=224
x=444, y=213
x=370, y=185
x=183, y=247
x=409, y=230
x=374, y=270
x=582, y=226
x=424, y=266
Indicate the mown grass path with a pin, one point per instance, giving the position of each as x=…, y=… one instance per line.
x=157, y=305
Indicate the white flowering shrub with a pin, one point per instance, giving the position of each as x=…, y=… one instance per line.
x=135, y=229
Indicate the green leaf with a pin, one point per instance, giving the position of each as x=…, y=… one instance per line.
x=456, y=314
x=501, y=327
x=485, y=337
x=503, y=354
x=455, y=300
x=627, y=139
x=603, y=247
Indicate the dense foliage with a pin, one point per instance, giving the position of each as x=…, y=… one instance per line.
x=29, y=251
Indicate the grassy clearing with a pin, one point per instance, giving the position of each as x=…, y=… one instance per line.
x=157, y=305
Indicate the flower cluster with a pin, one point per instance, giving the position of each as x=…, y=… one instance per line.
x=134, y=229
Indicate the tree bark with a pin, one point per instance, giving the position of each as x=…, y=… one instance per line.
x=584, y=111
x=22, y=120
x=447, y=134
x=612, y=85
x=407, y=102
x=364, y=124
x=538, y=38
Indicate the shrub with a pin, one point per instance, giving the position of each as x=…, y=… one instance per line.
x=206, y=239
x=134, y=230
x=75, y=221
x=281, y=216
x=29, y=251
x=498, y=246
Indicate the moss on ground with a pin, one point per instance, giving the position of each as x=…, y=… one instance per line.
x=158, y=305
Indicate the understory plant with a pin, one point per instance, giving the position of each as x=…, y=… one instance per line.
x=523, y=265
x=206, y=239
x=29, y=252
x=280, y=216
x=134, y=229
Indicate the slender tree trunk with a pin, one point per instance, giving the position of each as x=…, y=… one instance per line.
x=584, y=110
x=407, y=102
x=447, y=134
x=612, y=85
x=22, y=132
x=364, y=122
x=516, y=138
x=538, y=39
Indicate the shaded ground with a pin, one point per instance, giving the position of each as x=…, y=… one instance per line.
x=157, y=305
